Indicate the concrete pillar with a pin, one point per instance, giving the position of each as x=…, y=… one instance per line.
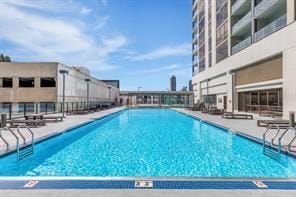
x=289, y=73
x=290, y=11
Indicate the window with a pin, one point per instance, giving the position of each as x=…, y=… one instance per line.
x=221, y=15
x=26, y=107
x=47, y=82
x=222, y=33
x=26, y=82
x=7, y=82
x=222, y=51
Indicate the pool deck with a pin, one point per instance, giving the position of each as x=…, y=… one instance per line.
x=51, y=129
x=243, y=127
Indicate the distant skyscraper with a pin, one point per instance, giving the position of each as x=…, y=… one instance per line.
x=190, y=88
x=173, y=83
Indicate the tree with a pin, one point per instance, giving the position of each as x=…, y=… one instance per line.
x=4, y=58
x=7, y=59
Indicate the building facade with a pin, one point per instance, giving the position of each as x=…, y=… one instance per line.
x=41, y=82
x=173, y=83
x=244, y=54
x=157, y=98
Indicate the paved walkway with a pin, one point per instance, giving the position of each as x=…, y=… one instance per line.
x=54, y=128
x=248, y=127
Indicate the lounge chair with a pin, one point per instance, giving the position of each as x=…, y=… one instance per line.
x=216, y=111
x=230, y=115
x=31, y=123
x=79, y=112
x=270, y=113
x=52, y=118
x=280, y=123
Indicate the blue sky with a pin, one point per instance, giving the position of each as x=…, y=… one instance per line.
x=140, y=42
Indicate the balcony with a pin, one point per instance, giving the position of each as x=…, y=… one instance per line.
x=195, y=62
x=272, y=27
x=243, y=44
x=195, y=16
x=195, y=39
x=240, y=7
x=195, y=51
x=263, y=5
x=243, y=22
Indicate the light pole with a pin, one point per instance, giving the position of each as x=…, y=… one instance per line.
x=138, y=94
x=87, y=91
x=64, y=72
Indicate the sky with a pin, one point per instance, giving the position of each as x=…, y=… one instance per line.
x=140, y=42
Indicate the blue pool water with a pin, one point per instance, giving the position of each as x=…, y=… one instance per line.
x=148, y=142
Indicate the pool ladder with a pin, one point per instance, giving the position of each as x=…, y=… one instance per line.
x=272, y=149
x=22, y=151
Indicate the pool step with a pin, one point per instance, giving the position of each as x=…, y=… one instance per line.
x=271, y=152
x=25, y=152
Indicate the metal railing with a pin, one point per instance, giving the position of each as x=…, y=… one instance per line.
x=242, y=22
x=20, y=110
x=16, y=138
x=237, y=5
x=282, y=136
x=263, y=5
x=270, y=28
x=241, y=45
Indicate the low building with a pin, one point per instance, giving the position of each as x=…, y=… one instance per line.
x=157, y=98
x=115, y=83
x=42, y=82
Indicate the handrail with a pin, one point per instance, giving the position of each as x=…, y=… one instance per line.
x=281, y=137
x=17, y=140
x=264, y=136
x=32, y=134
x=290, y=144
x=278, y=131
x=5, y=142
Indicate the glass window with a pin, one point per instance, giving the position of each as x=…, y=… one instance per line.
x=222, y=51
x=29, y=107
x=222, y=33
x=47, y=82
x=26, y=82
x=7, y=82
x=221, y=15
x=201, y=51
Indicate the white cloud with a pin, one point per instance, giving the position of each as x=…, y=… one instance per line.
x=48, y=38
x=179, y=50
x=85, y=10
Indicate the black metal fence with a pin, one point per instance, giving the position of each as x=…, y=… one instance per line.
x=19, y=110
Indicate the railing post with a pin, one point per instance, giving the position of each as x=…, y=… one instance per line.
x=25, y=109
x=10, y=110
x=46, y=108
x=3, y=120
x=292, y=119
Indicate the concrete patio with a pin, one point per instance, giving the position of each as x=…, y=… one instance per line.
x=51, y=129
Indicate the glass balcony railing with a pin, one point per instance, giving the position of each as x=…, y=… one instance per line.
x=243, y=44
x=195, y=62
x=262, y=6
x=195, y=39
x=272, y=27
x=237, y=5
x=242, y=23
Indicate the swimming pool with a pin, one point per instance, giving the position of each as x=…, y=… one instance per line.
x=148, y=143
